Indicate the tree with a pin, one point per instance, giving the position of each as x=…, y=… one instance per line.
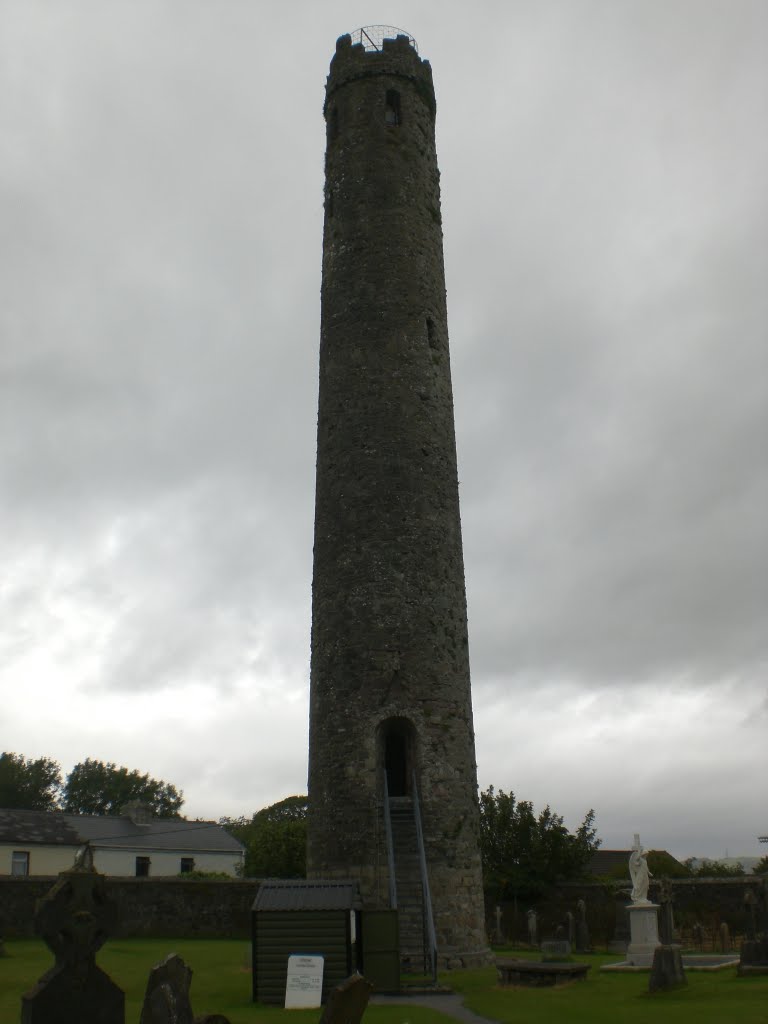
x=761, y=868
x=275, y=839
x=27, y=784
x=93, y=787
x=714, y=869
x=523, y=854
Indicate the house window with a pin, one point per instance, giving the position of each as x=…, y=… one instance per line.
x=142, y=867
x=20, y=862
x=392, y=108
x=187, y=865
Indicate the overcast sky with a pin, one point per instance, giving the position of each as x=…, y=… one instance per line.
x=604, y=167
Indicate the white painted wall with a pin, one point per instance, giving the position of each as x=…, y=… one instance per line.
x=162, y=862
x=43, y=860
x=50, y=860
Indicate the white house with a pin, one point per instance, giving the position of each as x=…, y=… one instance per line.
x=131, y=844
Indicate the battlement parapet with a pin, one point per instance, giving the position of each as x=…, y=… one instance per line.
x=375, y=51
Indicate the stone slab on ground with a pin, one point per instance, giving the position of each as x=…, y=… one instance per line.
x=691, y=962
x=538, y=974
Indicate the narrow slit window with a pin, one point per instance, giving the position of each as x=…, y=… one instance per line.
x=392, y=108
x=333, y=124
x=431, y=333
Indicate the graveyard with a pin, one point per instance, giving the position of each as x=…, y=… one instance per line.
x=221, y=983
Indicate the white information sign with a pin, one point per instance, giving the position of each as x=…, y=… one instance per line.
x=304, y=984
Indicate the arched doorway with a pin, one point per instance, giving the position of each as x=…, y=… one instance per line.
x=397, y=754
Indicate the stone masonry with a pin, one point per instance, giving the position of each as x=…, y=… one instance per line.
x=390, y=684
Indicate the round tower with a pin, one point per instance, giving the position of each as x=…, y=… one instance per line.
x=392, y=760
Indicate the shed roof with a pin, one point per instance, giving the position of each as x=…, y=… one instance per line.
x=297, y=894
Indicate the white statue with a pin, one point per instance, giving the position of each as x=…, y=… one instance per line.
x=639, y=873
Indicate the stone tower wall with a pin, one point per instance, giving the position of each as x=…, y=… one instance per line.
x=389, y=629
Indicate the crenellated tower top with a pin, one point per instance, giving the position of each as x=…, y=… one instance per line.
x=379, y=50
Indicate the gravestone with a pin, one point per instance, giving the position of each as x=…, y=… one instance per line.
x=498, y=936
x=582, y=930
x=620, y=940
x=74, y=919
x=643, y=920
x=754, y=948
x=166, y=1000
x=533, y=928
x=347, y=1002
x=667, y=966
x=559, y=949
x=570, y=927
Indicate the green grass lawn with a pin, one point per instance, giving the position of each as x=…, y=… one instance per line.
x=221, y=982
x=709, y=998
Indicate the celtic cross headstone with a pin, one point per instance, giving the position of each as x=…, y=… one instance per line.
x=75, y=918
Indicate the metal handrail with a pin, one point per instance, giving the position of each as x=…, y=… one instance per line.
x=372, y=37
x=390, y=848
x=432, y=938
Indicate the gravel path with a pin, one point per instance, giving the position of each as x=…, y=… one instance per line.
x=448, y=1003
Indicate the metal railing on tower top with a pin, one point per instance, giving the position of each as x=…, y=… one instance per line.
x=372, y=36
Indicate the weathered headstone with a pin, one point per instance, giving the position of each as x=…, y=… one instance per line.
x=558, y=950
x=754, y=948
x=666, y=923
x=74, y=919
x=582, y=930
x=166, y=1000
x=666, y=970
x=347, y=1002
x=620, y=940
x=498, y=936
x=667, y=966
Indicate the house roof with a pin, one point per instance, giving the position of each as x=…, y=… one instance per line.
x=114, y=832
x=604, y=861
x=37, y=827
x=297, y=894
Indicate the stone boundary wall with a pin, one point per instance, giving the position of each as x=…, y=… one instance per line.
x=147, y=907
x=705, y=901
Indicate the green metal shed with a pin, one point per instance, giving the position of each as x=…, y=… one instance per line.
x=306, y=917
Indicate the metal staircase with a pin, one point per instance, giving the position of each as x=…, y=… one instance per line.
x=409, y=884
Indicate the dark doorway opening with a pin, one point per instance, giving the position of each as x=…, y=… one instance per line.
x=398, y=755
x=396, y=764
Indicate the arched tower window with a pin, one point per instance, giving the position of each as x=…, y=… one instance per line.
x=392, y=108
x=398, y=755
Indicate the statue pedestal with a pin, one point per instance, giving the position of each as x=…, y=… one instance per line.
x=644, y=932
